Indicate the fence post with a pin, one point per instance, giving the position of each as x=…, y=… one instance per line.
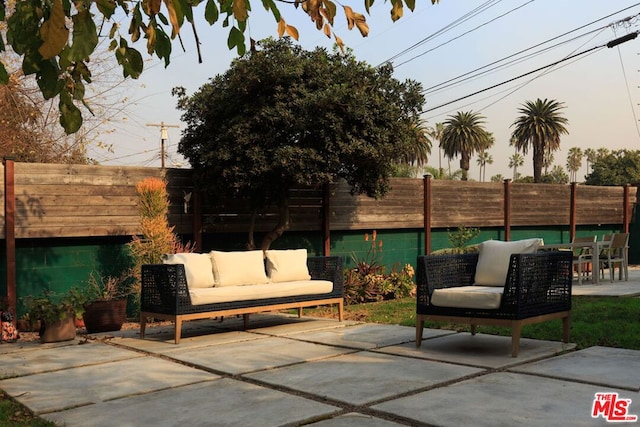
x=625, y=209
x=572, y=211
x=10, y=232
x=507, y=209
x=426, y=213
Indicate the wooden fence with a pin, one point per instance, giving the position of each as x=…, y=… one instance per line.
x=83, y=201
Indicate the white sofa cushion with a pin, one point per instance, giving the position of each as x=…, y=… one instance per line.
x=238, y=268
x=478, y=297
x=253, y=292
x=197, y=268
x=493, y=259
x=287, y=265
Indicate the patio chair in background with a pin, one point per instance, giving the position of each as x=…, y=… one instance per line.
x=583, y=256
x=615, y=253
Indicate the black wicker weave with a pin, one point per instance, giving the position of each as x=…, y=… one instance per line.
x=165, y=295
x=537, y=288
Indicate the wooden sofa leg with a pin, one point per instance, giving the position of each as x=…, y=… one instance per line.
x=474, y=329
x=299, y=312
x=419, y=328
x=340, y=311
x=245, y=318
x=516, y=331
x=178, y=330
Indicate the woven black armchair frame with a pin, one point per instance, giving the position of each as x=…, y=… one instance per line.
x=537, y=289
x=165, y=295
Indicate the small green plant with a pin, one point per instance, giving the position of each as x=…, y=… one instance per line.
x=51, y=307
x=369, y=281
x=109, y=288
x=461, y=237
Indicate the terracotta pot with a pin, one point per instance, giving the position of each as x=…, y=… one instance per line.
x=104, y=316
x=59, y=330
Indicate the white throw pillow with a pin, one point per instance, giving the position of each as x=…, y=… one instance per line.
x=238, y=268
x=197, y=268
x=287, y=265
x=493, y=260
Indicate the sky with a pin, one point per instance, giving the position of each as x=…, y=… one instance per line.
x=501, y=51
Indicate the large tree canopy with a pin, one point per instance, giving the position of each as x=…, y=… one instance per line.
x=57, y=38
x=619, y=167
x=282, y=116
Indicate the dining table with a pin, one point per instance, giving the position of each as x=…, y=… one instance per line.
x=595, y=247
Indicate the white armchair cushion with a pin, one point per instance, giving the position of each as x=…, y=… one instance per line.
x=493, y=259
x=197, y=268
x=477, y=297
x=238, y=268
x=287, y=265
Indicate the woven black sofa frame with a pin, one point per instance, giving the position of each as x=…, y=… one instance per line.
x=537, y=289
x=165, y=295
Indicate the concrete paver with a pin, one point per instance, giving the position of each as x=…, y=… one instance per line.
x=504, y=399
x=612, y=367
x=223, y=402
x=290, y=371
x=487, y=351
x=67, y=388
x=363, y=377
x=267, y=353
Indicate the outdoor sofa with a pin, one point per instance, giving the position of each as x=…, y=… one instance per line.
x=198, y=286
x=507, y=284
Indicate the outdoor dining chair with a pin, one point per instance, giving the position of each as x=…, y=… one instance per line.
x=583, y=256
x=615, y=253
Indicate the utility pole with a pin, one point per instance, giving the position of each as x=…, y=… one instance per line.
x=163, y=137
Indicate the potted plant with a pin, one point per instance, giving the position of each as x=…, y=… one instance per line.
x=106, y=306
x=56, y=313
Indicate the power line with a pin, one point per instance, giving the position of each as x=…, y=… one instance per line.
x=464, y=34
x=610, y=44
x=449, y=83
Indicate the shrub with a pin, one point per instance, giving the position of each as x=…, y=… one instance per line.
x=368, y=281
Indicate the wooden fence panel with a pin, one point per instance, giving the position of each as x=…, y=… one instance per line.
x=402, y=207
x=469, y=204
x=86, y=200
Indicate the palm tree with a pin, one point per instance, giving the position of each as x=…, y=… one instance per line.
x=515, y=162
x=574, y=163
x=436, y=134
x=547, y=162
x=484, y=158
x=420, y=149
x=590, y=155
x=463, y=135
x=540, y=126
x=439, y=173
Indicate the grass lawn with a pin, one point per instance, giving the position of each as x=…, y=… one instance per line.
x=601, y=321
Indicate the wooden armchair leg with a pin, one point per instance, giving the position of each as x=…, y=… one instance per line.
x=566, y=324
x=419, y=328
x=143, y=325
x=474, y=329
x=516, y=331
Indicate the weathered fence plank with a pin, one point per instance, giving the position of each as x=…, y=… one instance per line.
x=87, y=200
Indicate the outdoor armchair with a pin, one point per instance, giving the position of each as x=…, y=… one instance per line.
x=536, y=287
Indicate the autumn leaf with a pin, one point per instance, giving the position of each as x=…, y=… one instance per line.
x=151, y=7
x=173, y=17
x=340, y=44
x=53, y=32
x=348, y=12
x=281, y=27
x=396, y=10
x=292, y=32
x=240, y=10
x=327, y=30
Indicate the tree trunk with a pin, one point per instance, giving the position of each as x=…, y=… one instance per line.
x=251, y=243
x=538, y=160
x=281, y=227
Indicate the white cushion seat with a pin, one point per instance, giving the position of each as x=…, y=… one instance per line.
x=474, y=296
x=213, y=295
